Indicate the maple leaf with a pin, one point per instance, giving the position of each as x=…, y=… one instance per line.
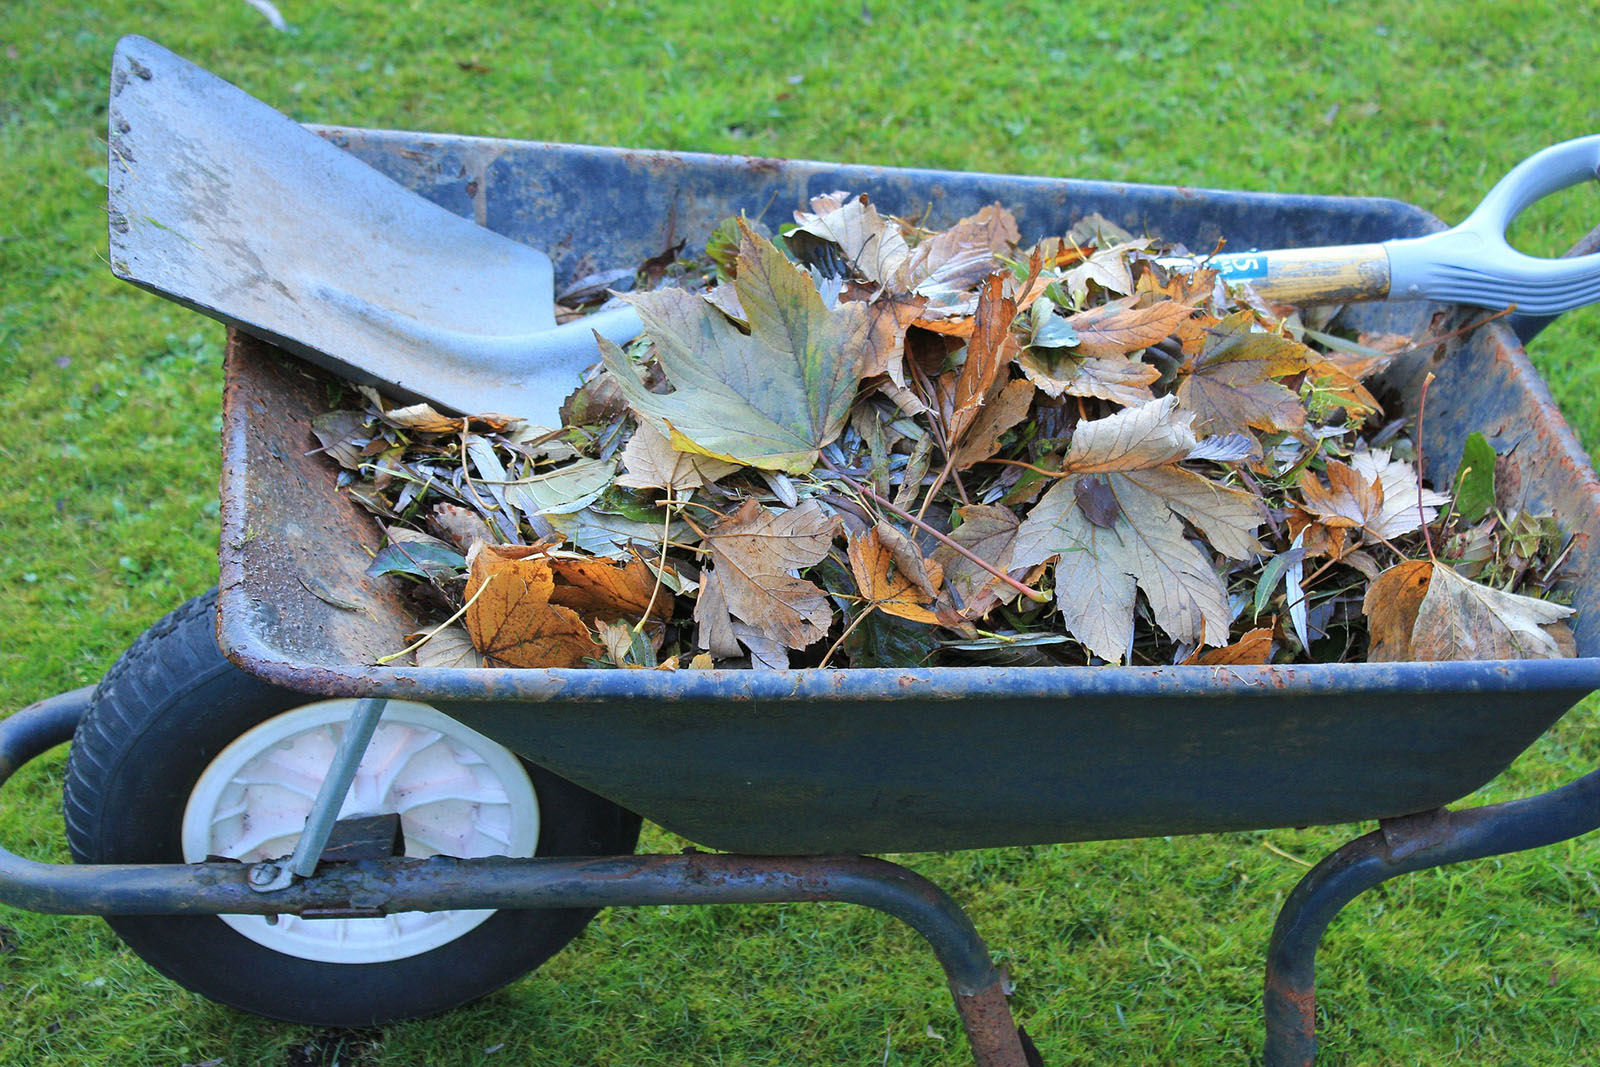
x=1425, y=611
x=652, y=463
x=990, y=349
x=944, y=265
x=768, y=399
x=1107, y=268
x=755, y=554
x=1232, y=384
x=1105, y=554
x=1121, y=381
x=886, y=586
x=512, y=621
x=988, y=531
x=1118, y=327
x=1406, y=505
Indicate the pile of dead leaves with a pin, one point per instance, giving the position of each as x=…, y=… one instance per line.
x=869, y=444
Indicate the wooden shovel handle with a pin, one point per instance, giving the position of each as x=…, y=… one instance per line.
x=1328, y=275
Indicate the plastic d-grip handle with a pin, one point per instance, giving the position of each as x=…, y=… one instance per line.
x=1473, y=264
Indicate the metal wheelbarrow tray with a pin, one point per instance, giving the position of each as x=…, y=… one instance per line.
x=795, y=771
x=881, y=760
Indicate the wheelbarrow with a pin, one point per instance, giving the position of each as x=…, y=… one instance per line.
x=277, y=823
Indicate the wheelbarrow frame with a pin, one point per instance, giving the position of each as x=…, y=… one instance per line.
x=1474, y=718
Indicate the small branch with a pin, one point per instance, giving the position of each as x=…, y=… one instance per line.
x=848, y=630
x=961, y=550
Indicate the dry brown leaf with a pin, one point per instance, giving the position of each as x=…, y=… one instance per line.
x=885, y=341
x=1232, y=386
x=1406, y=505
x=988, y=531
x=1003, y=411
x=606, y=589
x=1348, y=500
x=754, y=553
x=1120, y=380
x=1100, y=568
x=1117, y=328
x=1424, y=611
x=1255, y=647
x=908, y=558
x=459, y=526
x=990, y=348
x=512, y=621
x=884, y=585
x=652, y=463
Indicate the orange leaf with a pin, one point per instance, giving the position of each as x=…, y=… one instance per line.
x=990, y=349
x=512, y=621
x=1391, y=605
x=896, y=594
x=1255, y=647
x=604, y=589
x=1117, y=328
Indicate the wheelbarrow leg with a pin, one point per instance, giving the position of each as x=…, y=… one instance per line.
x=1412, y=843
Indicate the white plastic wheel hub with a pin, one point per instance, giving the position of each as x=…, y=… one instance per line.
x=457, y=794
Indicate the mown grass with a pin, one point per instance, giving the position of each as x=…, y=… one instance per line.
x=1124, y=952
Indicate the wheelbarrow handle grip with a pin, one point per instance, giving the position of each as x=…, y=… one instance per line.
x=1473, y=264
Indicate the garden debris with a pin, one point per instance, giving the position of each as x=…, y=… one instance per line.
x=867, y=443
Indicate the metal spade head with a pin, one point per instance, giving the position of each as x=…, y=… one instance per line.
x=229, y=207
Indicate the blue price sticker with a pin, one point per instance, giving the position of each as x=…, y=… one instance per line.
x=1241, y=266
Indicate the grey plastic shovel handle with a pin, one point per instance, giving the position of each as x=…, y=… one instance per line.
x=1473, y=264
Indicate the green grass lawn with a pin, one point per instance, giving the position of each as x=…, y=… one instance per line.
x=1124, y=952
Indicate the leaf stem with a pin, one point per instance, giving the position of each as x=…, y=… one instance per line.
x=1422, y=514
x=1032, y=594
x=430, y=635
x=848, y=630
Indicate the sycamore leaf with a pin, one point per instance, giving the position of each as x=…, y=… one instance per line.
x=754, y=555
x=1146, y=436
x=1139, y=544
x=873, y=245
x=886, y=586
x=1255, y=647
x=512, y=621
x=1003, y=411
x=1232, y=383
x=1119, y=380
x=1406, y=506
x=1348, y=500
x=908, y=558
x=1107, y=268
x=1425, y=611
x=886, y=335
x=989, y=350
x=988, y=531
x=1117, y=328
x=652, y=463
x=768, y=399
x=451, y=646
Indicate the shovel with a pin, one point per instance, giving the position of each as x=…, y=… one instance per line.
x=231, y=208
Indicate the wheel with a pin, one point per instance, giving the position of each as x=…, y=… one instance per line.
x=181, y=756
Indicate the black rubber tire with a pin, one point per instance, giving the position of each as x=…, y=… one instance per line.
x=157, y=719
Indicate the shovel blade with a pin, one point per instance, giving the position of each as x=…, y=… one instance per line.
x=223, y=204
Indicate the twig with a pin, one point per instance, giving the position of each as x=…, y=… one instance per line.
x=425, y=638
x=848, y=630
x=1422, y=514
x=1453, y=334
x=961, y=550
